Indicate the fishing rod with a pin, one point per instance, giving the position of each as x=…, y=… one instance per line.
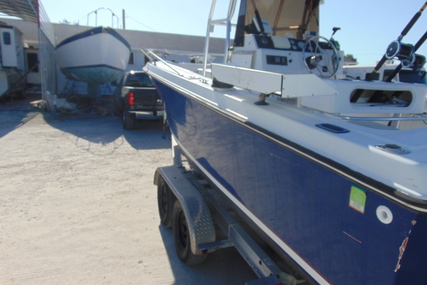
x=416, y=60
x=395, y=46
x=260, y=26
x=309, y=9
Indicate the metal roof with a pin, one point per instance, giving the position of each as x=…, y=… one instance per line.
x=24, y=9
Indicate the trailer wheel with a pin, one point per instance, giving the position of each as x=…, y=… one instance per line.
x=182, y=237
x=165, y=202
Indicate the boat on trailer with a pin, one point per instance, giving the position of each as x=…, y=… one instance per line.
x=98, y=55
x=330, y=172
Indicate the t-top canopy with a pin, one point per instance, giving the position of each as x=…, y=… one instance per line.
x=285, y=17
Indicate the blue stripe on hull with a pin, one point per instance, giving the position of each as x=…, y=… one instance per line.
x=304, y=203
x=91, y=32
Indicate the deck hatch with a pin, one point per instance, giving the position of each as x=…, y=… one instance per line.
x=333, y=128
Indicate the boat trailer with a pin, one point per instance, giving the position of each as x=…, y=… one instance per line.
x=192, y=208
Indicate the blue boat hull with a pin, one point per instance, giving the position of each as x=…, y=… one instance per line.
x=301, y=200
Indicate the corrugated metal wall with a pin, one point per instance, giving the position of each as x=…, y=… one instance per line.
x=47, y=58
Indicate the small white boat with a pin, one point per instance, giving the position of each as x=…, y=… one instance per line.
x=98, y=55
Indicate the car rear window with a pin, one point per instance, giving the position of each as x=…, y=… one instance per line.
x=139, y=80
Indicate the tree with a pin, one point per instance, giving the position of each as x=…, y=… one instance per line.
x=350, y=57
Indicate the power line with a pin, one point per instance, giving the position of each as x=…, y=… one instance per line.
x=129, y=17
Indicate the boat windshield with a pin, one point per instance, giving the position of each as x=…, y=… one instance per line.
x=285, y=17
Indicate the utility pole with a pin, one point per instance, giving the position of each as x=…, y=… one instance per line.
x=124, y=19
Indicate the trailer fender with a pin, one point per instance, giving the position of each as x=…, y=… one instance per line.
x=200, y=223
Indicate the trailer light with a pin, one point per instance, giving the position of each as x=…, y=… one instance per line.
x=131, y=98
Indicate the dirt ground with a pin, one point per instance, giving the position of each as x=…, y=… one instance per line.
x=78, y=204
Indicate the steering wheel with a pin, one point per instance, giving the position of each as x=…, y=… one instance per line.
x=320, y=57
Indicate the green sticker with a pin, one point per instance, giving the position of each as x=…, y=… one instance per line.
x=358, y=199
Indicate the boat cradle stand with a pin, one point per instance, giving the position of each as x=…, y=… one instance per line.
x=195, y=195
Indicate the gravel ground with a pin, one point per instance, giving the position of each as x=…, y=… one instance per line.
x=78, y=204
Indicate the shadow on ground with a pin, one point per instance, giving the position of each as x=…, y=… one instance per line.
x=16, y=113
x=107, y=129
x=224, y=266
x=87, y=127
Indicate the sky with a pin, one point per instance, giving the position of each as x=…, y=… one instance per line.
x=367, y=26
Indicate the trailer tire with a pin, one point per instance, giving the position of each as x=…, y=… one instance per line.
x=165, y=202
x=182, y=237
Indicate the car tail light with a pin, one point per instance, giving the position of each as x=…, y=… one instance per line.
x=131, y=98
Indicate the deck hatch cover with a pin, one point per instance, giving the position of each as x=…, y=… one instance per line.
x=333, y=128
